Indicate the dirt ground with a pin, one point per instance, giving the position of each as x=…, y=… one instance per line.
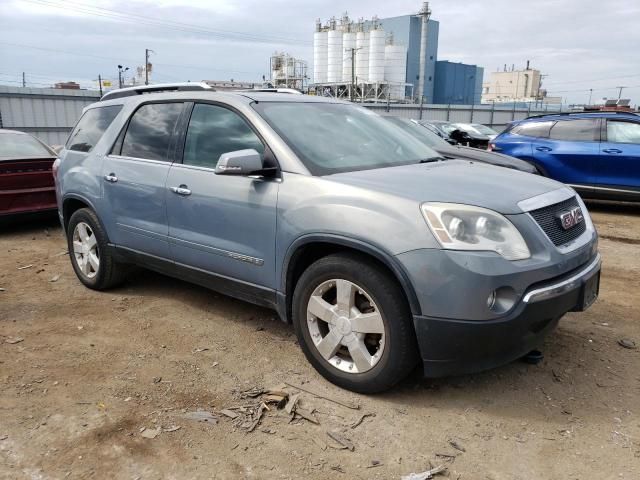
x=93, y=369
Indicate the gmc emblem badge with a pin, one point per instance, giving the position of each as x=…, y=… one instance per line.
x=571, y=218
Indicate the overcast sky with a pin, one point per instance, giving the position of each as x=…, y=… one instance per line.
x=578, y=44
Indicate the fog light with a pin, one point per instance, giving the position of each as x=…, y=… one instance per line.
x=491, y=300
x=501, y=300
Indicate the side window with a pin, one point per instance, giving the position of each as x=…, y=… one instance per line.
x=623, y=132
x=533, y=129
x=150, y=129
x=575, y=130
x=215, y=130
x=91, y=127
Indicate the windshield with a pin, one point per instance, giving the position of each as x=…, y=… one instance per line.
x=484, y=129
x=19, y=145
x=423, y=134
x=332, y=137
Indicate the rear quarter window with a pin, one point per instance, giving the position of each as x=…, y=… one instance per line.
x=91, y=127
x=533, y=129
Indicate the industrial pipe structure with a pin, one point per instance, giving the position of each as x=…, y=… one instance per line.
x=425, y=13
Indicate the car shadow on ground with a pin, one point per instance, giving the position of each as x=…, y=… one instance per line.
x=607, y=206
x=29, y=222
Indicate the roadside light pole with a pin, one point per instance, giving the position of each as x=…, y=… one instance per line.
x=121, y=71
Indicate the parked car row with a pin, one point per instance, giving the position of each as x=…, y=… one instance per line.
x=26, y=181
x=597, y=153
x=382, y=255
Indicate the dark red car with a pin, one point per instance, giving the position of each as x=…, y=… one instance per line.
x=26, y=178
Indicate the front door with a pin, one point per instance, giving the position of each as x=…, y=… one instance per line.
x=134, y=177
x=221, y=224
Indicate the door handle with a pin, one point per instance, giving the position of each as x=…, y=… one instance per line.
x=543, y=149
x=111, y=178
x=181, y=190
x=612, y=150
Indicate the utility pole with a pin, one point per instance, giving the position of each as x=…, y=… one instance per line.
x=353, y=72
x=100, y=83
x=620, y=91
x=146, y=65
x=24, y=82
x=590, y=93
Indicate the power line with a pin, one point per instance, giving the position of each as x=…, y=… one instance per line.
x=119, y=59
x=156, y=22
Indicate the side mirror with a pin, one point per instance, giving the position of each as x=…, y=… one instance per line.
x=240, y=162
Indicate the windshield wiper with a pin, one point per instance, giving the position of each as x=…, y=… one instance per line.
x=432, y=159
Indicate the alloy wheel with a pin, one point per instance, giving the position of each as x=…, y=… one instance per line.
x=85, y=250
x=346, y=326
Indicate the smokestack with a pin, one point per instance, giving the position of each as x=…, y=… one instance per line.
x=424, y=13
x=527, y=64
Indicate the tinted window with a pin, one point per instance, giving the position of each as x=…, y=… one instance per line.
x=90, y=128
x=150, y=130
x=623, y=132
x=575, y=130
x=216, y=130
x=17, y=145
x=533, y=129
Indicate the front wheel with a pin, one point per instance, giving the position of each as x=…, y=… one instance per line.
x=353, y=323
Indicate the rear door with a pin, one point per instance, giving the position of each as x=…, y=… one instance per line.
x=619, y=162
x=221, y=224
x=571, y=152
x=134, y=177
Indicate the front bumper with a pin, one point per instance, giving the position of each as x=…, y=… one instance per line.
x=452, y=347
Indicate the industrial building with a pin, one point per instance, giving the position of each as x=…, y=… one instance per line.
x=516, y=86
x=390, y=59
x=457, y=83
x=287, y=71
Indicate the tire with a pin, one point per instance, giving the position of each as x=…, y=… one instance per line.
x=108, y=273
x=372, y=293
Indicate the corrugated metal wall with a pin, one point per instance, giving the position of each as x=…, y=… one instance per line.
x=47, y=113
x=496, y=117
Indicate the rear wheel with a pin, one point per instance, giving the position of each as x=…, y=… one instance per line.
x=92, y=262
x=353, y=323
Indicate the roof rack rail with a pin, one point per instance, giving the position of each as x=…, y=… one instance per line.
x=588, y=112
x=295, y=91
x=160, y=87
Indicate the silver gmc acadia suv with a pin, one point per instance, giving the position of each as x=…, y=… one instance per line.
x=380, y=252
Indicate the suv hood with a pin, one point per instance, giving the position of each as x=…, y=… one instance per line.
x=455, y=181
x=485, y=156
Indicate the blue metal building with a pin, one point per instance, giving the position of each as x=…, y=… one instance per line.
x=406, y=31
x=457, y=83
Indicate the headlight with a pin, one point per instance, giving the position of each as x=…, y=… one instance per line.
x=463, y=227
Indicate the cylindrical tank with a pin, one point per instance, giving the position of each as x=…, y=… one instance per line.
x=376, y=55
x=362, y=57
x=395, y=68
x=320, y=51
x=334, y=59
x=348, y=44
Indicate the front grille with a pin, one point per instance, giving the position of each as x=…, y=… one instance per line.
x=547, y=218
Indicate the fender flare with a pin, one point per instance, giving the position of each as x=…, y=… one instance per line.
x=375, y=251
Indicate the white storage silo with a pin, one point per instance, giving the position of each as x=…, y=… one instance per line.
x=395, y=68
x=348, y=44
x=362, y=57
x=376, y=55
x=320, y=51
x=334, y=58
